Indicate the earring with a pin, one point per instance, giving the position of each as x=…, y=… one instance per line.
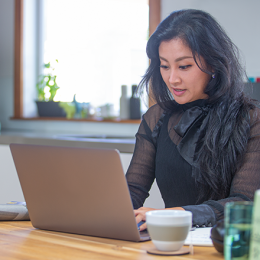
x=213, y=76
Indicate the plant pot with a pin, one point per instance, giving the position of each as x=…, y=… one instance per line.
x=50, y=109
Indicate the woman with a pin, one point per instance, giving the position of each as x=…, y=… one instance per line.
x=201, y=141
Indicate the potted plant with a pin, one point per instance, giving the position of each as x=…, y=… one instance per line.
x=46, y=90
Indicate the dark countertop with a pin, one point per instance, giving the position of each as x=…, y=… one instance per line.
x=123, y=144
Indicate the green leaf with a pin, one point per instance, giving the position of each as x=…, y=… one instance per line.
x=47, y=80
x=47, y=65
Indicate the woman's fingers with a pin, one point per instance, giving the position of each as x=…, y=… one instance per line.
x=139, y=218
x=143, y=227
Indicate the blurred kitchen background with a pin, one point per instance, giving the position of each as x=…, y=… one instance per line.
x=100, y=46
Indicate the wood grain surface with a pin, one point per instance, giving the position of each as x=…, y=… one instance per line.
x=20, y=240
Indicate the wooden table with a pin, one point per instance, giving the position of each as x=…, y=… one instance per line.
x=19, y=240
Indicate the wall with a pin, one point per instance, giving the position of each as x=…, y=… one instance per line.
x=10, y=189
x=6, y=59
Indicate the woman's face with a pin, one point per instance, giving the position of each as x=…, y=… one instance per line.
x=180, y=72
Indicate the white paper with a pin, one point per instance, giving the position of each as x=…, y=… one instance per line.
x=199, y=237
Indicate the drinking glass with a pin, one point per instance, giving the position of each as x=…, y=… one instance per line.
x=238, y=221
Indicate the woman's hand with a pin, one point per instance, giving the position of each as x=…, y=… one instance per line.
x=140, y=215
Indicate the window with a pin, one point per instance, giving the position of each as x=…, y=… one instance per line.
x=100, y=45
x=88, y=78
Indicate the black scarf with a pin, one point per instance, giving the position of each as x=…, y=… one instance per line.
x=189, y=128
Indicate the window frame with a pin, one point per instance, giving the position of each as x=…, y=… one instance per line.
x=154, y=20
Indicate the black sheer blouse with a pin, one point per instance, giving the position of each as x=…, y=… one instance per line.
x=164, y=150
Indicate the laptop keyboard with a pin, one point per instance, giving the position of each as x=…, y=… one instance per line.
x=140, y=224
x=144, y=233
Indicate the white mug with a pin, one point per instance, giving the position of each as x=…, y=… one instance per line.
x=168, y=229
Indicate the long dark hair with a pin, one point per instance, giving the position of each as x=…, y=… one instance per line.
x=226, y=129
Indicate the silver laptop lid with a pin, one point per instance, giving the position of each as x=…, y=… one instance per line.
x=76, y=190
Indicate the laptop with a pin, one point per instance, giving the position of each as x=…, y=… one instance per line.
x=76, y=190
